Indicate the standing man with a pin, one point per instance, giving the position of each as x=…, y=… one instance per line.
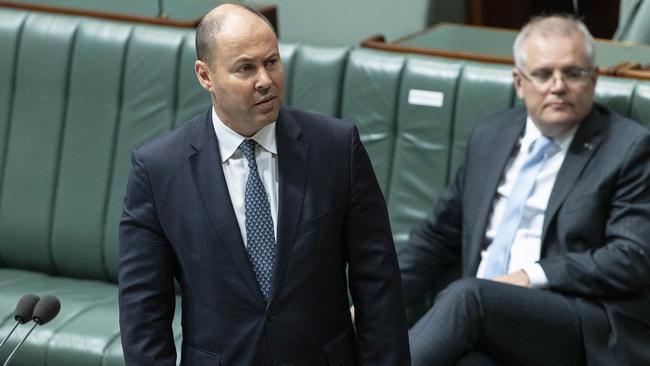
x=550, y=220
x=256, y=210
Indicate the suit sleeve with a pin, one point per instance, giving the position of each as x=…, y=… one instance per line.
x=146, y=287
x=373, y=272
x=620, y=265
x=434, y=244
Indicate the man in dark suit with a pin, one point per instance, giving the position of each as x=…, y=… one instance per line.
x=549, y=219
x=206, y=202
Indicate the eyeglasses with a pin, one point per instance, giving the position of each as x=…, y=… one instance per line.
x=543, y=79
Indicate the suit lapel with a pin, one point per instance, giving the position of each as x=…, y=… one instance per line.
x=211, y=185
x=501, y=146
x=583, y=146
x=292, y=155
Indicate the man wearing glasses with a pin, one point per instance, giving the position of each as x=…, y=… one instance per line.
x=549, y=218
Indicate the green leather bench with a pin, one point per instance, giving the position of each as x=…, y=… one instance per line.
x=415, y=113
x=77, y=94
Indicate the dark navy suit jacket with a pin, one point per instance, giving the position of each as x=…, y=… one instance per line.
x=596, y=231
x=178, y=223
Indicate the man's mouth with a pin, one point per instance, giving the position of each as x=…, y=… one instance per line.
x=558, y=104
x=265, y=100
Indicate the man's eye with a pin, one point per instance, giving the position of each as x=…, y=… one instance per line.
x=573, y=74
x=542, y=75
x=271, y=62
x=245, y=68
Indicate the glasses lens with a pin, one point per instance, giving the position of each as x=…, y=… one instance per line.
x=543, y=79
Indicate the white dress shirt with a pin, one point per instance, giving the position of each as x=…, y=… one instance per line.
x=527, y=243
x=235, y=168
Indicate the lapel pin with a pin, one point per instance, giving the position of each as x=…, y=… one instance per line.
x=589, y=146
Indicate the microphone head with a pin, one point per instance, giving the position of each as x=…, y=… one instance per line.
x=25, y=308
x=46, y=309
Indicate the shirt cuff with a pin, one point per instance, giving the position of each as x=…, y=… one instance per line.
x=536, y=275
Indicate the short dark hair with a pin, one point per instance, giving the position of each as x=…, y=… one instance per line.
x=211, y=25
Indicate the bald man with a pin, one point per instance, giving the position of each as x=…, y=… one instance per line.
x=256, y=210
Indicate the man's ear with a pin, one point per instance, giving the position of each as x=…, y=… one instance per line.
x=516, y=83
x=203, y=74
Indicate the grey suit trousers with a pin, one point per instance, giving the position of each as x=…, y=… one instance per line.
x=510, y=325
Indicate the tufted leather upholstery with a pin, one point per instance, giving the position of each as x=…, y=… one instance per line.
x=77, y=94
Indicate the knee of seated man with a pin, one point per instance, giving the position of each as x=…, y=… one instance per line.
x=463, y=290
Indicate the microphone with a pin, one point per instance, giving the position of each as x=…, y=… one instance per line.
x=23, y=313
x=45, y=310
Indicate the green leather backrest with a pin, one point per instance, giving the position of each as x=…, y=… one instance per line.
x=10, y=25
x=287, y=54
x=191, y=97
x=79, y=95
x=148, y=109
x=483, y=89
x=615, y=93
x=640, y=109
x=370, y=97
x=86, y=153
x=317, y=77
x=422, y=145
x=76, y=95
x=33, y=146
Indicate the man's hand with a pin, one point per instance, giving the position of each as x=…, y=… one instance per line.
x=519, y=278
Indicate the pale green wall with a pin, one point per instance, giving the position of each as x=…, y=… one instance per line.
x=347, y=22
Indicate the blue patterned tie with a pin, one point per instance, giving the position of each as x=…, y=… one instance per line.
x=498, y=254
x=259, y=222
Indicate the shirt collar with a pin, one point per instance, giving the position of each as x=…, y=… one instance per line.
x=230, y=140
x=532, y=133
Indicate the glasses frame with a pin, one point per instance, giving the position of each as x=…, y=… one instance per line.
x=587, y=73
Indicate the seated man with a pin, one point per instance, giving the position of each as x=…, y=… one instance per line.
x=549, y=218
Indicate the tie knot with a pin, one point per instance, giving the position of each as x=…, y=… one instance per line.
x=247, y=148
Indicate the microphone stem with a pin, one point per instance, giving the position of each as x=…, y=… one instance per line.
x=8, y=334
x=20, y=344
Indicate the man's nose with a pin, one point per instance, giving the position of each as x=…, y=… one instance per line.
x=558, y=83
x=264, y=81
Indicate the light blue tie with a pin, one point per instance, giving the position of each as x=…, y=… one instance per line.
x=259, y=222
x=498, y=254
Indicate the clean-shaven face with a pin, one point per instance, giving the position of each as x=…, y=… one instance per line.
x=564, y=102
